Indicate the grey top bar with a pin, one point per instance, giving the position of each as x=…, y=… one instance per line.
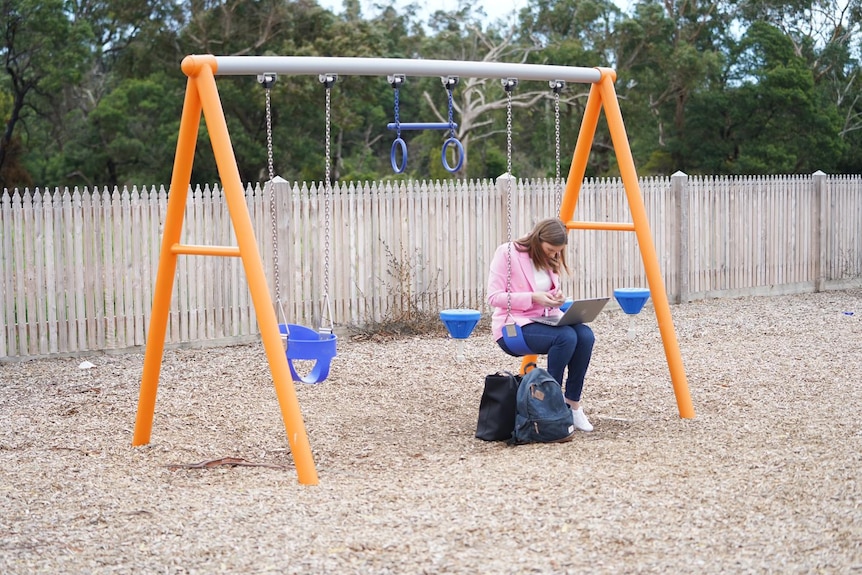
x=310, y=65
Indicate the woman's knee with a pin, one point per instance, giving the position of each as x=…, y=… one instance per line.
x=566, y=338
x=585, y=335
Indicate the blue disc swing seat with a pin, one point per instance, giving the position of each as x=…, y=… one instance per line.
x=306, y=344
x=513, y=337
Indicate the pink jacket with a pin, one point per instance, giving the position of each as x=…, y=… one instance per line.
x=523, y=286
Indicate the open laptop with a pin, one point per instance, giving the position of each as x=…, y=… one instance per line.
x=581, y=311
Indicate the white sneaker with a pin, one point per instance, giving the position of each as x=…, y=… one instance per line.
x=579, y=418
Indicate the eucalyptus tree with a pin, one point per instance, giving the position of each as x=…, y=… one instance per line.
x=771, y=117
x=63, y=58
x=478, y=104
x=362, y=106
x=359, y=106
x=44, y=50
x=670, y=50
x=825, y=35
x=773, y=107
x=572, y=33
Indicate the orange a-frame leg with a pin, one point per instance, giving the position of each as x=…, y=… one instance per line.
x=202, y=94
x=603, y=94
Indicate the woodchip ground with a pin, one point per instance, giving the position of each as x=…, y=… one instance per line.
x=767, y=478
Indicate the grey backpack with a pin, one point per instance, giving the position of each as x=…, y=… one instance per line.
x=543, y=415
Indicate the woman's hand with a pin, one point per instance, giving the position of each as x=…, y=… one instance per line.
x=549, y=299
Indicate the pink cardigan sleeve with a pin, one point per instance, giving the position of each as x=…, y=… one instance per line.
x=522, y=289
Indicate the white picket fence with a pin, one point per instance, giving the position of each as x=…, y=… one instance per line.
x=77, y=267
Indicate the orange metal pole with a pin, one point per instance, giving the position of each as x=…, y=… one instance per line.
x=204, y=68
x=186, y=249
x=180, y=179
x=606, y=226
x=582, y=153
x=642, y=229
x=527, y=360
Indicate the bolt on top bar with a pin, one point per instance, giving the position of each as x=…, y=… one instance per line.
x=312, y=65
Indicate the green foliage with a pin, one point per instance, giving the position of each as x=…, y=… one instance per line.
x=44, y=51
x=132, y=133
x=92, y=91
x=774, y=121
x=493, y=163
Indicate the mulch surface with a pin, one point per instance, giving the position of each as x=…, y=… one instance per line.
x=767, y=478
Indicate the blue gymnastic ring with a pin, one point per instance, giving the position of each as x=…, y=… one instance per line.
x=393, y=154
x=460, y=150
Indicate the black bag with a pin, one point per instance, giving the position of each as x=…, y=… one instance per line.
x=498, y=407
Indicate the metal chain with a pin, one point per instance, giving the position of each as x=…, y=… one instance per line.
x=328, y=80
x=557, y=86
x=450, y=82
x=328, y=192
x=397, y=115
x=268, y=80
x=269, y=162
x=557, y=183
x=509, y=85
x=449, y=88
x=395, y=81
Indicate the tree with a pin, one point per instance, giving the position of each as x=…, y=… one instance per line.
x=773, y=119
x=824, y=35
x=477, y=102
x=129, y=137
x=43, y=51
x=671, y=50
x=571, y=33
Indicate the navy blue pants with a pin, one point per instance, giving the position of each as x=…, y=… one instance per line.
x=566, y=346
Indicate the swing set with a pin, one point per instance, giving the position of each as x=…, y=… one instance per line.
x=202, y=97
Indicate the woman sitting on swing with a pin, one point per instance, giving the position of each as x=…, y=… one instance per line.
x=525, y=282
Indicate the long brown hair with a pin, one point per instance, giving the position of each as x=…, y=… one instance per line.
x=552, y=231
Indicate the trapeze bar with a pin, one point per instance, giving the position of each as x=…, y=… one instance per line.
x=314, y=65
x=421, y=126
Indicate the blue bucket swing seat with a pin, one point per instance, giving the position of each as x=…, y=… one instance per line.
x=304, y=343
x=300, y=342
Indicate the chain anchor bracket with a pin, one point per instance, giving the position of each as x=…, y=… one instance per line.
x=267, y=80
x=328, y=80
